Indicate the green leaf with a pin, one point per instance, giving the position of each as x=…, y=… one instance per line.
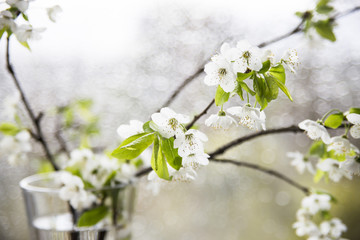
x=133, y=146
x=110, y=178
x=93, y=216
x=25, y=44
x=9, y=129
x=260, y=89
x=147, y=128
x=278, y=72
x=265, y=67
x=158, y=162
x=221, y=96
x=283, y=88
x=239, y=91
x=318, y=176
x=272, y=89
x=85, y=103
x=243, y=76
x=325, y=9
x=334, y=120
x=45, y=167
x=318, y=148
x=171, y=154
x=2, y=32
x=322, y=3
x=325, y=29
x=246, y=88
x=25, y=16
x=354, y=110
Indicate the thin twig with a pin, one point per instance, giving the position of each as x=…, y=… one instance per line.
x=38, y=135
x=241, y=140
x=264, y=170
x=196, y=117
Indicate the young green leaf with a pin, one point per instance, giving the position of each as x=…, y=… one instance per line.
x=318, y=148
x=246, y=88
x=354, y=110
x=133, y=146
x=158, y=162
x=171, y=154
x=334, y=120
x=243, y=76
x=9, y=129
x=239, y=91
x=278, y=72
x=272, y=89
x=283, y=88
x=93, y=216
x=147, y=128
x=25, y=44
x=260, y=89
x=265, y=67
x=325, y=29
x=2, y=32
x=318, y=176
x=221, y=96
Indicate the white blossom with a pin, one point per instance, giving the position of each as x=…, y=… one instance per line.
x=19, y=4
x=128, y=130
x=11, y=105
x=195, y=159
x=355, y=129
x=268, y=55
x=7, y=21
x=291, y=60
x=126, y=173
x=341, y=146
x=245, y=56
x=351, y=165
x=315, y=130
x=306, y=227
x=190, y=143
x=25, y=32
x=331, y=166
x=333, y=228
x=54, y=12
x=73, y=191
x=168, y=123
x=98, y=169
x=80, y=157
x=300, y=162
x=220, y=120
x=17, y=147
x=220, y=71
x=250, y=117
x=185, y=174
x=316, y=202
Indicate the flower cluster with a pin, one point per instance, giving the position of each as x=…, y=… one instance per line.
x=328, y=228
x=14, y=13
x=231, y=67
x=86, y=170
x=337, y=156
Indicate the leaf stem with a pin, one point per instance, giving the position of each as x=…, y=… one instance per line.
x=328, y=113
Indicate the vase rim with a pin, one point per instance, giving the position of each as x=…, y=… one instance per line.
x=26, y=184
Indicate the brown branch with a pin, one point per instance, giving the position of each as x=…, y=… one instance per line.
x=197, y=117
x=143, y=172
x=241, y=140
x=38, y=135
x=271, y=172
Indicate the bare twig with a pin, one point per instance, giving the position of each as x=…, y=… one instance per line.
x=200, y=115
x=264, y=170
x=241, y=140
x=38, y=134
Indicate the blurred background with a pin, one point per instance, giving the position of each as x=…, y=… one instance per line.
x=130, y=56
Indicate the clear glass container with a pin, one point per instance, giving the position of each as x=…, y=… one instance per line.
x=50, y=217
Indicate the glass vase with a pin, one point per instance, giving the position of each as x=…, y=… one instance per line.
x=50, y=217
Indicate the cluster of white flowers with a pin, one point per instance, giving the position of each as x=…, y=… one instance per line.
x=223, y=70
x=305, y=225
x=94, y=169
x=339, y=145
x=17, y=147
x=249, y=117
x=189, y=142
x=23, y=32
